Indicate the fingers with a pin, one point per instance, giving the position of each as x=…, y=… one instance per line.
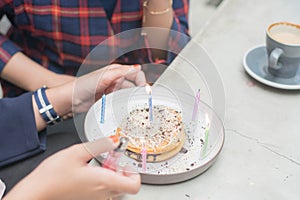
x=89, y=150
x=126, y=183
x=124, y=70
x=140, y=79
x=131, y=80
x=118, y=84
x=111, y=74
x=127, y=84
x=132, y=73
x=131, y=76
x=109, y=79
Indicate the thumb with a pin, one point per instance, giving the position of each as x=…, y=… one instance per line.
x=115, y=72
x=93, y=149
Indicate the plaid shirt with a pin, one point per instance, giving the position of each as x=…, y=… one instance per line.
x=59, y=35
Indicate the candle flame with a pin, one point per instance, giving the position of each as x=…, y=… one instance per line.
x=148, y=89
x=207, y=121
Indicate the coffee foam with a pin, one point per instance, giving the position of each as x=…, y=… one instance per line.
x=285, y=33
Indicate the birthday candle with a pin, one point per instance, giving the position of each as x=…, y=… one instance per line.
x=149, y=91
x=150, y=108
x=196, y=105
x=207, y=126
x=103, y=108
x=144, y=158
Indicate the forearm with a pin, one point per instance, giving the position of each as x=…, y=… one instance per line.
x=159, y=14
x=29, y=75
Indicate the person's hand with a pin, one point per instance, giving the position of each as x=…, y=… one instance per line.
x=90, y=87
x=67, y=176
x=132, y=79
x=107, y=79
x=80, y=94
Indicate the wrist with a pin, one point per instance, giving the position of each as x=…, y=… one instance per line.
x=157, y=7
x=160, y=4
x=39, y=121
x=61, y=98
x=59, y=103
x=157, y=14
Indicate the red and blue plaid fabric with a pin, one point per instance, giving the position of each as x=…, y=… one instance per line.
x=59, y=34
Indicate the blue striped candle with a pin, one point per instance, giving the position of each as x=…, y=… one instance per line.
x=148, y=89
x=103, y=102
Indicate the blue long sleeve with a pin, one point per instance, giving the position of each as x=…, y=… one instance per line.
x=19, y=138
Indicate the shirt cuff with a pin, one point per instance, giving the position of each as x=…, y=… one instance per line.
x=7, y=50
x=19, y=138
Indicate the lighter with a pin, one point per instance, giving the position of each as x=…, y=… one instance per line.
x=113, y=158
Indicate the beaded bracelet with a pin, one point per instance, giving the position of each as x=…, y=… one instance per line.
x=145, y=5
x=45, y=107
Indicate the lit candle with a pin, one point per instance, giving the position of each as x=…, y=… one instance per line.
x=144, y=158
x=196, y=105
x=149, y=92
x=103, y=100
x=207, y=126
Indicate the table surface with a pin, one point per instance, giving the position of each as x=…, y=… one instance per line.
x=261, y=157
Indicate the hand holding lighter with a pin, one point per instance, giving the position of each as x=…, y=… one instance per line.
x=113, y=158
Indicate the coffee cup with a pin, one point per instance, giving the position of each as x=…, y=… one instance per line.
x=283, y=47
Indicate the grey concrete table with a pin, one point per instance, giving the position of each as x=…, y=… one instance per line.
x=261, y=155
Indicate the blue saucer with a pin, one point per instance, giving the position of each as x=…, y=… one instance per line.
x=255, y=63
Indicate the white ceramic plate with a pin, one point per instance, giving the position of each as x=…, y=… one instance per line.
x=187, y=164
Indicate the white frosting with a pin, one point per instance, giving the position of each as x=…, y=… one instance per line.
x=162, y=132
